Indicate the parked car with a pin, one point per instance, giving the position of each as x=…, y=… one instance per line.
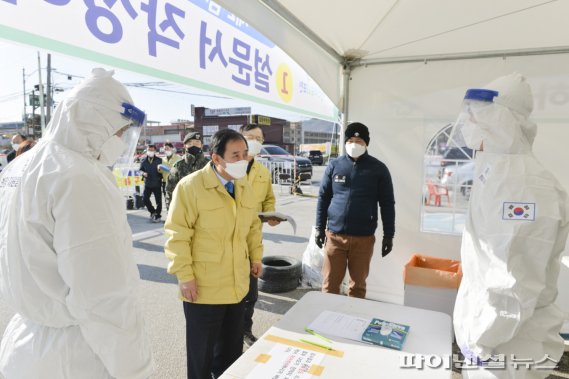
x=315, y=156
x=459, y=177
x=281, y=160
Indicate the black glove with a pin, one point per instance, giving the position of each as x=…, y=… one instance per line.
x=320, y=237
x=386, y=246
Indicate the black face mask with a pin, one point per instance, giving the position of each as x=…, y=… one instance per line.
x=194, y=150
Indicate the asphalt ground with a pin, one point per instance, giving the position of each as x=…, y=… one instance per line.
x=159, y=294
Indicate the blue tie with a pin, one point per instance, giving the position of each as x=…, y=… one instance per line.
x=229, y=186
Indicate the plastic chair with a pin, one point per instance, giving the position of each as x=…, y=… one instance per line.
x=437, y=191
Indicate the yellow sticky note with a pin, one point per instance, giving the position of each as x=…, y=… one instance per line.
x=263, y=358
x=316, y=370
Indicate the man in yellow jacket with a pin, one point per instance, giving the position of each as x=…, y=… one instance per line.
x=260, y=179
x=214, y=244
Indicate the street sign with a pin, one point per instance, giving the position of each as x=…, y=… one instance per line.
x=34, y=100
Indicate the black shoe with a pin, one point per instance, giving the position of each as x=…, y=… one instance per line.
x=157, y=219
x=249, y=339
x=152, y=217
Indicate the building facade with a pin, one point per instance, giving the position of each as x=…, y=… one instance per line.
x=209, y=121
x=160, y=134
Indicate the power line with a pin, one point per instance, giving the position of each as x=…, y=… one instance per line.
x=177, y=91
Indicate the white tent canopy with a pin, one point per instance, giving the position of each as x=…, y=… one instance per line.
x=409, y=63
x=323, y=35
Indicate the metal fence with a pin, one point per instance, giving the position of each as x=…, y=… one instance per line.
x=284, y=173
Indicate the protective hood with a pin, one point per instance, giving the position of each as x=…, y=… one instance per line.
x=506, y=127
x=90, y=114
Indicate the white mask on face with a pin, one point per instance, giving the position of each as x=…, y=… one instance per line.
x=472, y=135
x=254, y=147
x=237, y=170
x=15, y=146
x=111, y=151
x=354, y=150
x=150, y=154
x=169, y=153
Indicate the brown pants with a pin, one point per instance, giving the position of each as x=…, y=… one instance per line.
x=353, y=252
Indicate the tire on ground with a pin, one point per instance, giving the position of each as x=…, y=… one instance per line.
x=280, y=274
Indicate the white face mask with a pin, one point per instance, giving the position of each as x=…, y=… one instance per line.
x=254, y=147
x=111, y=150
x=472, y=135
x=237, y=170
x=150, y=153
x=354, y=150
x=169, y=153
x=15, y=146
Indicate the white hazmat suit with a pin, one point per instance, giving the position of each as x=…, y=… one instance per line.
x=66, y=264
x=515, y=233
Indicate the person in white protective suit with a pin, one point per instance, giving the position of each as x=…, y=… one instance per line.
x=66, y=264
x=515, y=233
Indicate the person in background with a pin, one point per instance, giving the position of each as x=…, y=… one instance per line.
x=66, y=264
x=346, y=213
x=16, y=141
x=192, y=160
x=152, y=183
x=25, y=146
x=170, y=159
x=515, y=234
x=214, y=243
x=260, y=179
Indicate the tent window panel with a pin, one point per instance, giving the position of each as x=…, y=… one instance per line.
x=447, y=183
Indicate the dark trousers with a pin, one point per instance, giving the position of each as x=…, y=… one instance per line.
x=214, y=338
x=157, y=196
x=344, y=251
x=250, y=301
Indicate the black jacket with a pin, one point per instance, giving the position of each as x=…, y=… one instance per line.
x=150, y=166
x=349, y=194
x=11, y=155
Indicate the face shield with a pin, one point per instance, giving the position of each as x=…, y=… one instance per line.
x=467, y=133
x=135, y=120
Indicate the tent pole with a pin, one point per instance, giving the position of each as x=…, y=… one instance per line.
x=346, y=72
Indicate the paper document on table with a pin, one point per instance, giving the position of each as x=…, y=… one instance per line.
x=286, y=362
x=266, y=216
x=340, y=325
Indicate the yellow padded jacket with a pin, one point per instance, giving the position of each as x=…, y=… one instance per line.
x=212, y=237
x=260, y=179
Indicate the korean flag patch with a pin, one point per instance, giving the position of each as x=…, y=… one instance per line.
x=518, y=211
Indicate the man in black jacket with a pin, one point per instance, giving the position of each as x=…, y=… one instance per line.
x=152, y=183
x=346, y=219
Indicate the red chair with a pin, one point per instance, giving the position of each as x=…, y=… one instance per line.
x=437, y=191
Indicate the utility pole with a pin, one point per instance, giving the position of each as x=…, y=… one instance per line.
x=49, y=89
x=42, y=110
x=24, y=113
x=33, y=103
